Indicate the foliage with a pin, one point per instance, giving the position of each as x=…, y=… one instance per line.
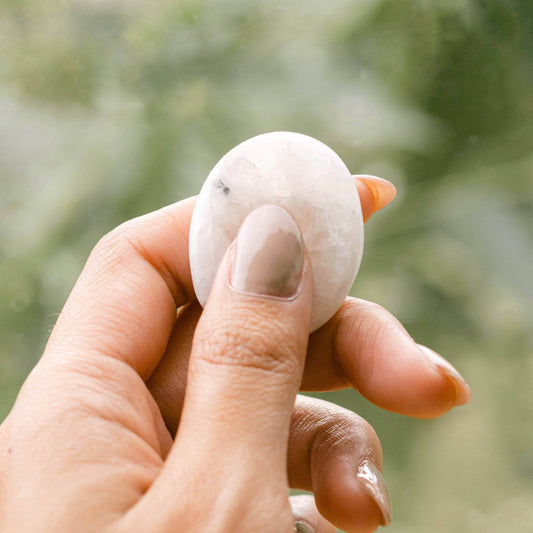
x=113, y=108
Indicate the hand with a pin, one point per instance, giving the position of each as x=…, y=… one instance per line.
x=91, y=443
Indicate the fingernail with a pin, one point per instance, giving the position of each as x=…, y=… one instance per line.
x=268, y=254
x=383, y=191
x=372, y=481
x=301, y=527
x=463, y=393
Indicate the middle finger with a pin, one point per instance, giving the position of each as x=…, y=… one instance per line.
x=363, y=346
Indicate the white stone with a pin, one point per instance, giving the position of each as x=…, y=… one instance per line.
x=312, y=183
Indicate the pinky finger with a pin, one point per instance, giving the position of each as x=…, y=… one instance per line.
x=307, y=519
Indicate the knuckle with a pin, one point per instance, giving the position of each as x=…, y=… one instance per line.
x=126, y=235
x=117, y=247
x=250, y=340
x=358, y=311
x=145, y=241
x=336, y=430
x=367, y=320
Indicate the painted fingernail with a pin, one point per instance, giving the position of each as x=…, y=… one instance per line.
x=383, y=191
x=463, y=393
x=268, y=254
x=302, y=527
x=373, y=483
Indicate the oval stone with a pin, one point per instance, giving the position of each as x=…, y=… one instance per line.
x=312, y=183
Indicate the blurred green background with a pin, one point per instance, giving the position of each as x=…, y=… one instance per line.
x=110, y=109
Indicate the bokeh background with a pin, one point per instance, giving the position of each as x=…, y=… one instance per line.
x=112, y=108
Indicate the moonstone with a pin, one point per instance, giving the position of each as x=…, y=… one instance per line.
x=312, y=183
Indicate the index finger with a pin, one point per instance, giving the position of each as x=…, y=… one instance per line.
x=124, y=302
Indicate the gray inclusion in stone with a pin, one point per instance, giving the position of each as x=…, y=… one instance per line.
x=221, y=186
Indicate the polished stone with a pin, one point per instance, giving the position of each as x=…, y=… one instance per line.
x=312, y=183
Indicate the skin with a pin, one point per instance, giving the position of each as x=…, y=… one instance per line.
x=91, y=443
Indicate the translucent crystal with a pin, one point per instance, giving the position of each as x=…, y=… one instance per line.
x=312, y=183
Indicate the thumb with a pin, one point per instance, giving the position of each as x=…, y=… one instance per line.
x=250, y=343
x=246, y=365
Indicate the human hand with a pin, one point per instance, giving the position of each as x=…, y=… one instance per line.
x=138, y=419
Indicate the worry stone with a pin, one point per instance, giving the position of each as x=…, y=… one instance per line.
x=310, y=181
